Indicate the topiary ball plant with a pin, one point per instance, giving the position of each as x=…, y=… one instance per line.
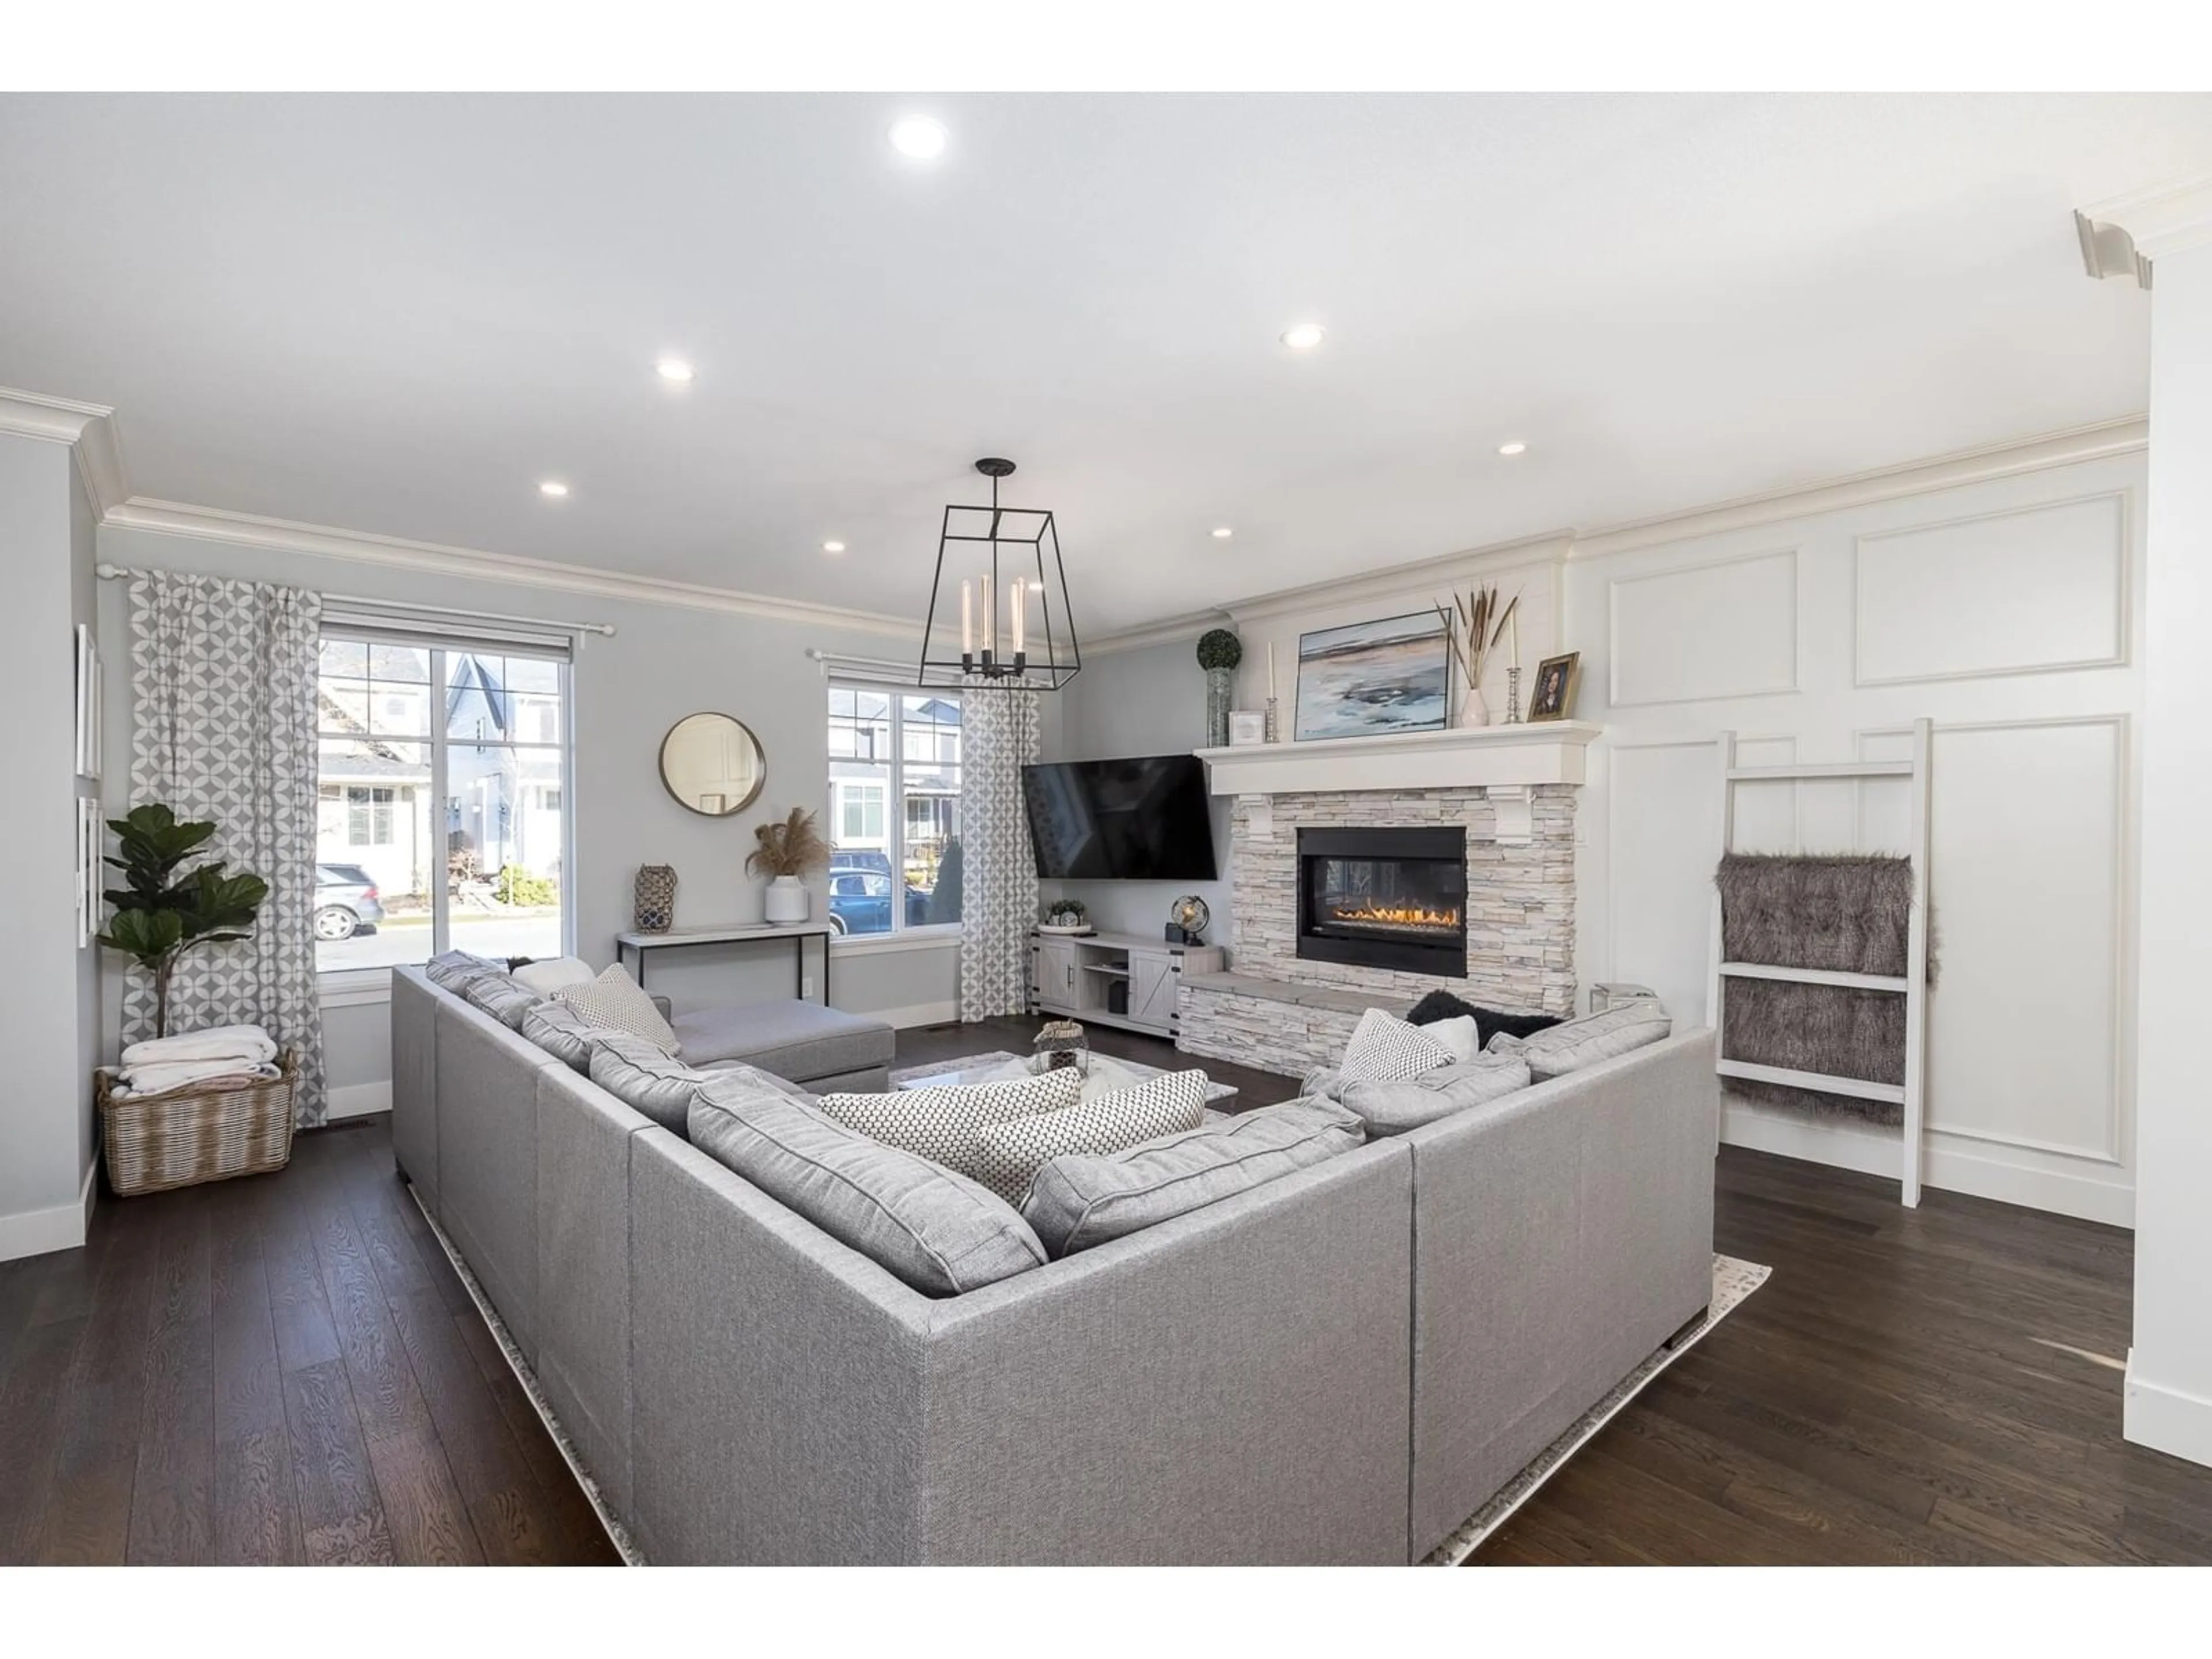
x=1219, y=649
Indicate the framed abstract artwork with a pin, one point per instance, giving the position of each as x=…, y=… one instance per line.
x=1366, y=679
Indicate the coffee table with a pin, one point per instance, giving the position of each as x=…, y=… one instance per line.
x=1106, y=1075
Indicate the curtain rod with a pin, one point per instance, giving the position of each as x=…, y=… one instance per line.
x=112, y=572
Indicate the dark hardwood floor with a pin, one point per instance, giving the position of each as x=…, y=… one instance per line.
x=286, y=1369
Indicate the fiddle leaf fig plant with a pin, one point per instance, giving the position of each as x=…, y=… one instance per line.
x=163, y=911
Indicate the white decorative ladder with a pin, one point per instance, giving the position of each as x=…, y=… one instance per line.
x=1912, y=986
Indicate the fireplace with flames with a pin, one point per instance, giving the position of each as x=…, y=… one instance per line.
x=1384, y=898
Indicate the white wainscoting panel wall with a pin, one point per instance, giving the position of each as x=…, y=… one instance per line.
x=2015, y=593
x=2004, y=611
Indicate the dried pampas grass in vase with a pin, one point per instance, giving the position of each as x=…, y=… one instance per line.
x=1474, y=622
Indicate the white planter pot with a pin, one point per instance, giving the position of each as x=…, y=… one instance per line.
x=787, y=899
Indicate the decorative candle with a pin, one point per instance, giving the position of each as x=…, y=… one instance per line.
x=1270, y=668
x=966, y=619
x=1513, y=625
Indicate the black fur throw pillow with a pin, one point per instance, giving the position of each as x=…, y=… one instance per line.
x=1488, y=1022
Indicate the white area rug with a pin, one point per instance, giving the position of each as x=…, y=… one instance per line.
x=1733, y=1281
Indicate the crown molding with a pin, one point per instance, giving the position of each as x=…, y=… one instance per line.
x=322, y=542
x=1169, y=630
x=1966, y=466
x=87, y=428
x=1551, y=547
x=2165, y=219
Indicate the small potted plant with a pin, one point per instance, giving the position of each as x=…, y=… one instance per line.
x=1220, y=651
x=1066, y=915
x=789, y=850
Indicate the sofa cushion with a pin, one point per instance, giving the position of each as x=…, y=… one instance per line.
x=1569, y=1047
x=550, y=973
x=498, y=994
x=944, y=1122
x=613, y=1002
x=1077, y=1200
x=1006, y=1155
x=1439, y=1005
x=1384, y=1048
x=1391, y=1108
x=1459, y=1034
x=642, y=1075
x=934, y=1229
x=561, y=1031
x=450, y=965
x=793, y=1039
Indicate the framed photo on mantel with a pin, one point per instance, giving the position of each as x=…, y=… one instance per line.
x=1558, y=679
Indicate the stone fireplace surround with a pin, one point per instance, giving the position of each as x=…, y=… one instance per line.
x=1512, y=788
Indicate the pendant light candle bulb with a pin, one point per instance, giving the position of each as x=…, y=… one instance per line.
x=966, y=619
x=1020, y=595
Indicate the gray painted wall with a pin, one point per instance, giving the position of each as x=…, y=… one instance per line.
x=45, y=1099
x=663, y=662
x=1139, y=702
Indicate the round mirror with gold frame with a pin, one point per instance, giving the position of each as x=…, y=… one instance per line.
x=712, y=765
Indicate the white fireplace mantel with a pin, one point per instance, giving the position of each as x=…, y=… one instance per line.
x=1461, y=757
x=1505, y=760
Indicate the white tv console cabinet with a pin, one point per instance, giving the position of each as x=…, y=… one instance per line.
x=1074, y=973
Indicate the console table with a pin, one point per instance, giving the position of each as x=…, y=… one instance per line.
x=679, y=938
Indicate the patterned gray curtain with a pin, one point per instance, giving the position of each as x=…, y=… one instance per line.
x=999, y=897
x=223, y=718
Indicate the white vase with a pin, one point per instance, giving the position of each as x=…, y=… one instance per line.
x=1473, y=710
x=787, y=899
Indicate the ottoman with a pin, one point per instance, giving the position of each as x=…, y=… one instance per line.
x=822, y=1048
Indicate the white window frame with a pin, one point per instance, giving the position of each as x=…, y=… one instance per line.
x=350, y=988
x=932, y=935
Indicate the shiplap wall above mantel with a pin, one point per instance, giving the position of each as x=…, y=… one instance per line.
x=2005, y=609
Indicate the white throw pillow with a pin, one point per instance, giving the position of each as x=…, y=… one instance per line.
x=942, y=1123
x=1387, y=1050
x=1460, y=1035
x=549, y=975
x=613, y=1002
x=1007, y=1156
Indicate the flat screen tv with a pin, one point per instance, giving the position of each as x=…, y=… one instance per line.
x=1146, y=818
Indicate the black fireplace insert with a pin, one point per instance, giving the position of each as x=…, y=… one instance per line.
x=1384, y=898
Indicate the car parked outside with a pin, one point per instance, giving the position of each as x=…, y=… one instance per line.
x=346, y=901
x=861, y=901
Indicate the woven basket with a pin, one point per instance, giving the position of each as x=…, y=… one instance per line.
x=190, y=1136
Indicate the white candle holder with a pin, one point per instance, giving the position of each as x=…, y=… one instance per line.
x=1513, y=696
x=1274, y=732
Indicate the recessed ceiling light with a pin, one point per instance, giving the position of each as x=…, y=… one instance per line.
x=833, y=547
x=1513, y=448
x=1223, y=533
x=552, y=486
x=920, y=136
x=673, y=369
x=1303, y=336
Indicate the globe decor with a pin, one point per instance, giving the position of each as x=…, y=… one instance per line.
x=998, y=614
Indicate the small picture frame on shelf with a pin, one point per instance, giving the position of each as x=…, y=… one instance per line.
x=1558, y=679
x=1247, y=727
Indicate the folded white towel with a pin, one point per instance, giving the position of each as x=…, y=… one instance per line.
x=138, y=1084
x=185, y=1074
x=246, y=1042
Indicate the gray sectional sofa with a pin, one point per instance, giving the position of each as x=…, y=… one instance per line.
x=1341, y=1365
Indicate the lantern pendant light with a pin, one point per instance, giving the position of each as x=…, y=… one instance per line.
x=1016, y=631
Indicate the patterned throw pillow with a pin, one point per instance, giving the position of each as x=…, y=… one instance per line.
x=942, y=1123
x=1386, y=1049
x=613, y=1002
x=1007, y=1156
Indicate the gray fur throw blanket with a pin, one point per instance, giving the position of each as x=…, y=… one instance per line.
x=1845, y=913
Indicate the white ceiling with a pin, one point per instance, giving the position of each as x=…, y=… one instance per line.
x=396, y=315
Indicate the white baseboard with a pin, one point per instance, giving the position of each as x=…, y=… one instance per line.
x=1844, y=1145
x=2166, y=1419
x=64, y=1227
x=359, y=1100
